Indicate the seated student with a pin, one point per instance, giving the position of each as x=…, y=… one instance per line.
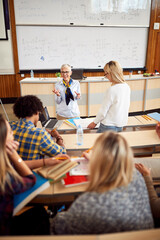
x=67, y=92
x=113, y=114
x=154, y=199
x=34, y=142
x=16, y=177
x=116, y=198
x=12, y=181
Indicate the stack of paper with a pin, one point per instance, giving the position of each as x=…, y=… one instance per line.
x=71, y=122
x=81, y=169
x=84, y=122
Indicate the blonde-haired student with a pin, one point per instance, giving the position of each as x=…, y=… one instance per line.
x=12, y=180
x=113, y=114
x=116, y=198
x=16, y=177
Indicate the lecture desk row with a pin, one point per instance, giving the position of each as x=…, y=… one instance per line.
x=142, y=142
x=138, y=122
x=144, y=234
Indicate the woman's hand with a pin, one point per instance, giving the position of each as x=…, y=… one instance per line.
x=55, y=160
x=11, y=147
x=86, y=155
x=78, y=95
x=142, y=169
x=91, y=125
x=57, y=92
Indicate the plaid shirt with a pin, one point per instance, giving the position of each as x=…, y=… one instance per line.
x=34, y=142
x=6, y=201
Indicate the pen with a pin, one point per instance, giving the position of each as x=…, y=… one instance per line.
x=147, y=117
x=88, y=150
x=61, y=158
x=144, y=116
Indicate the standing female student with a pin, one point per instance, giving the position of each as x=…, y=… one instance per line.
x=116, y=199
x=113, y=114
x=67, y=92
x=15, y=177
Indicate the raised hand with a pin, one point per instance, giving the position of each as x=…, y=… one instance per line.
x=142, y=169
x=57, y=92
x=78, y=95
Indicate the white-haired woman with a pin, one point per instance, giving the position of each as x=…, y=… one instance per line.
x=67, y=92
x=116, y=199
x=113, y=114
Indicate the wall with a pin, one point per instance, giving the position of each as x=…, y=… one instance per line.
x=9, y=84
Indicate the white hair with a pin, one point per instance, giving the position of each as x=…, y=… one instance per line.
x=66, y=66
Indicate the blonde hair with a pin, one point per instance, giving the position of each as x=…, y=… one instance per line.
x=111, y=164
x=115, y=70
x=6, y=168
x=66, y=66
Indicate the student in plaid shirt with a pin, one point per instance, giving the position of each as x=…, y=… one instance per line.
x=34, y=142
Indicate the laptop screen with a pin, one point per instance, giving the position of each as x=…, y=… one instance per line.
x=44, y=116
x=77, y=73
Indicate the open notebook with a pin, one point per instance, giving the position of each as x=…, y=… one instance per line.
x=153, y=163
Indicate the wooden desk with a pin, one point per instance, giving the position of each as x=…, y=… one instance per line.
x=134, y=122
x=136, y=139
x=144, y=234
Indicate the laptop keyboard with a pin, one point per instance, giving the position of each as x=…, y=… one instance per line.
x=53, y=123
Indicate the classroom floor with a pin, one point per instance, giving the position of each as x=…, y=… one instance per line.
x=9, y=111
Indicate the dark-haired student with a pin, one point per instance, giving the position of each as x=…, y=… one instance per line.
x=34, y=142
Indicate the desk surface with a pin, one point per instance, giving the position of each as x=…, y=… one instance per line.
x=144, y=234
x=136, y=139
x=133, y=121
x=88, y=79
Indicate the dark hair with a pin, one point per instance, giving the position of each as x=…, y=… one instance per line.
x=27, y=106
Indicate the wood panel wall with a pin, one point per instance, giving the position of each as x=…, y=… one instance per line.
x=9, y=84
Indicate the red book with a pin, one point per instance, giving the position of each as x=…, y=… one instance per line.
x=70, y=181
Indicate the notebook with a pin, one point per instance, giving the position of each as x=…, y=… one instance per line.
x=21, y=199
x=81, y=169
x=57, y=171
x=48, y=122
x=154, y=115
x=70, y=181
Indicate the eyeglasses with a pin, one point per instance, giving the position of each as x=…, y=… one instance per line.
x=65, y=72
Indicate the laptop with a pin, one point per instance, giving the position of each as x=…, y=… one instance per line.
x=77, y=74
x=47, y=122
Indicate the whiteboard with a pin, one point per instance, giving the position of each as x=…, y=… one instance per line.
x=83, y=12
x=2, y=22
x=41, y=47
x=6, y=53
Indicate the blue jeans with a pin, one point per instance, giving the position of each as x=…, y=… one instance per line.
x=103, y=128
